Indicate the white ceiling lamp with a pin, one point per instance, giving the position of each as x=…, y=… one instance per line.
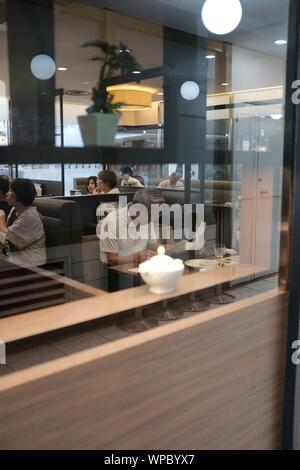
x=222, y=16
x=276, y=117
x=210, y=56
x=189, y=90
x=43, y=67
x=280, y=42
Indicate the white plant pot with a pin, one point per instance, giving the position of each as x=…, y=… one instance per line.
x=98, y=129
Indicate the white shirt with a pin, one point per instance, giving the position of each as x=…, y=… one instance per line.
x=105, y=208
x=167, y=185
x=133, y=182
x=115, y=235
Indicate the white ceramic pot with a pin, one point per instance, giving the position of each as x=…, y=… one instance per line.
x=161, y=272
x=98, y=129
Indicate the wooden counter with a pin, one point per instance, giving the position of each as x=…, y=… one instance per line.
x=211, y=381
x=102, y=304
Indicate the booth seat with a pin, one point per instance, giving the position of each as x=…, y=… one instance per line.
x=88, y=205
x=64, y=231
x=66, y=242
x=218, y=191
x=49, y=188
x=79, y=184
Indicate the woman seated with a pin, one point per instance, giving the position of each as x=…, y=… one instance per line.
x=106, y=184
x=22, y=236
x=91, y=185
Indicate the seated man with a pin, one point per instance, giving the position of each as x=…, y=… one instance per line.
x=106, y=184
x=127, y=178
x=22, y=236
x=126, y=234
x=172, y=182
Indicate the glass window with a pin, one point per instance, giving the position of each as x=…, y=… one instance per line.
x=200, y=128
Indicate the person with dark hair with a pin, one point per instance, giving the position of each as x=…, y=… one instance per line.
x=127, y=178
x=4, y=188
x=106, y=184
x=23, y=235
x=91, y=185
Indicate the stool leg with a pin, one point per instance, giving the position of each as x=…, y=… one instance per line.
x=138, y=324
x=168, y=314
x=221, y=298
x=196, y=306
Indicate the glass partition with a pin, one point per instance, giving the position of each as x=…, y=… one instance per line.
x=200, y=128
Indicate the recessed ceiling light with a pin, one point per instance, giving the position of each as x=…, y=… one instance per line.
x=224, y=84
x=136, y=71
x=280, y=42
x=210, y=56
x=160, y=93
x=62, y=69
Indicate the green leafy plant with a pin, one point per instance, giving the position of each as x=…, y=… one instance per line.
x=113, y=58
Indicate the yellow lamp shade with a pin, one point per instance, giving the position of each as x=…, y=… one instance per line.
x=132, y=99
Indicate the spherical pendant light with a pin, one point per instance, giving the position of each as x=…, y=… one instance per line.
x=221, y=16
x=43, y=67
x=189, y=90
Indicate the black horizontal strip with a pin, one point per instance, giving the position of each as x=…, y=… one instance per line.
x=46, y=155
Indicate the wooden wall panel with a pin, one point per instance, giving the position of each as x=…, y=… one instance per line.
x=212, y=381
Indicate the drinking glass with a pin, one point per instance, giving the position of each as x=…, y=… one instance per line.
x=219, y=250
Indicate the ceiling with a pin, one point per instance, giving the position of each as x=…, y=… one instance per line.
x=263, y=21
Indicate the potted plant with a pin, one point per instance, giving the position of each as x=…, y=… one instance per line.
x=99, y=126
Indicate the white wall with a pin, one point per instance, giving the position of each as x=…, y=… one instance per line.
x=72, y=135
x=251, y=69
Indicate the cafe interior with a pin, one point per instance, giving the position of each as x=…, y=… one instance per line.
x=178, y=341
